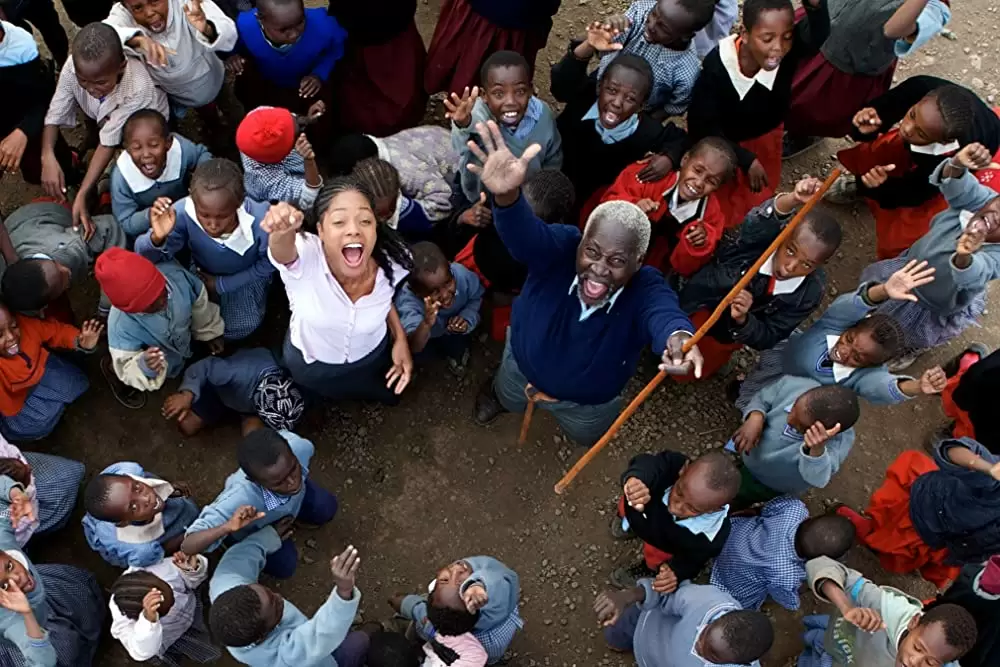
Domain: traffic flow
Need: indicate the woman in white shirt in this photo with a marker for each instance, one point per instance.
(345, 340)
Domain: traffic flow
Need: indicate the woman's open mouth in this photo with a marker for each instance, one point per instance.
(353, 254)
(592, 289)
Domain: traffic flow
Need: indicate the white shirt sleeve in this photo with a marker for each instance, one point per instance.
(195, 578)
(140, 638)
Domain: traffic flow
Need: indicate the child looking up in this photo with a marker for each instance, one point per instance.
(523, 118)
(135, 519)
(693, 626)
(179, 40)
(272, 483)
(36, 386)
(248, 383)
(439, 305)
(108, 88)
(796, 434)
(260, 628)
(154, 163)
(766, 553)
(786, 289)
(155, 611)
(481, 587)
(744, 92)
(687, 217)
(221, 228)
(605, 130)
(151, 326)
(679, 509)
(278, 161)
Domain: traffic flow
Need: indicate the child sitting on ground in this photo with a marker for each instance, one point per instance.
(744, 92)
(156, 614)
(285, 55)
(679, 509)
(179, 40)
(154, 163)
(881, 626)
(439, 306)
(686, 215)
(221, 228)
(272, 483)
(157, 309)
(796, 434)
(278, 161)
(249, 383)
(766, 553)
(524, 119)
(260, 628)
(783, 293)
(35, 385)
(481, 587)
(108, 88)
(135, 519)
(693, 626)
(604, 129)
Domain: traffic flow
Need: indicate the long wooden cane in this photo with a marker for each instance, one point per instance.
(698, 335)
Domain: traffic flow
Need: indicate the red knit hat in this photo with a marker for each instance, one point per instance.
(989, 581)
(267, 134)
(131, 281)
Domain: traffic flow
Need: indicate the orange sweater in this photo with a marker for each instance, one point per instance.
(18, 374)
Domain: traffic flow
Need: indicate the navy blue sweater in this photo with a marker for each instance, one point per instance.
(318, 49)
(585, 362)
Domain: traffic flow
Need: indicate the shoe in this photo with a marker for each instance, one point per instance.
(458, 367)
(618, 531)
(624, 578)
(900, 364)
(488, 406)
(131, 398)
(862, 524)
(953, 366)
(792, 146)
(844, 190)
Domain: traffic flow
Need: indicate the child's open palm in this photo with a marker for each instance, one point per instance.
(475, 598)
(162, 220)
(90, 333)
(459, 109)
(602, 37)
(501, 173)
(902, 283)
(14, 599)
(196, 16)
(344, 569)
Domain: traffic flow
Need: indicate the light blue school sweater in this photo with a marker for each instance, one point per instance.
(780, 460)
(133, 194)
(232, 271)
(544, 132)
(468, 300)
(240, 490)
(297, 640)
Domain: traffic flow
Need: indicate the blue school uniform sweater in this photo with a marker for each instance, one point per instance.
(318, 49)
(586, 362)
(468, 300)
(234, 378)
(231, 270)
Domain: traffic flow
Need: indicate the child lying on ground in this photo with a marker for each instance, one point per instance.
(766, 553)
(135, 519)
(154, 163)
(686, 215)
(392, 207)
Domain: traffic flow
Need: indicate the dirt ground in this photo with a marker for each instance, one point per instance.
(420, 484)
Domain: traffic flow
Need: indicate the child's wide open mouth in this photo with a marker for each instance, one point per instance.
(510, 117)
(353, 254)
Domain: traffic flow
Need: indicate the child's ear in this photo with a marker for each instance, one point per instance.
(170, 140)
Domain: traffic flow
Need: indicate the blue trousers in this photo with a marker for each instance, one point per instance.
(620, 635)
(318, 507)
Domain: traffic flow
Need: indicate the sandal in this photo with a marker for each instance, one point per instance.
(131, 398)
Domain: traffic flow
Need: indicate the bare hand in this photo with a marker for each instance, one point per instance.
(865, 619)
(234, 64)
(196, 16)
(162, 220)
(284, 527)
(282, 219)
(479, 215)
(90, 333)
(501, 173)
(867, 121)
(665, 580)
(184, 562)
(402, 367)
(13, 599)
(216, 346)
(648, 205)
(806, 188)
(933, 381)
(458, 325)
(11, 150)
(617, 24)
(757, 176)
(81, 217)
(636, 494)
(155, 360)
(155, 53)
(344, 569)
(675, 361)
(696, 235)
(475, 598)
(739, 309)
(602, 38)
(748, 434)
(902, 283)
(975, 156)
(995, 471)
(304, 148)
(609, 607)
(309, 86)
(243, 517)
(316, 109)
(817, 435)
(971, 240)
(20, 507)
(459, 109)
(657, 167)
(53, 180)
(431, 309)
(177, 406)
(151, 605)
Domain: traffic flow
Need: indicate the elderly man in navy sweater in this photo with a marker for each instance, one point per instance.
(587, 308)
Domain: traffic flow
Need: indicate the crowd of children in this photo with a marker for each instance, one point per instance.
(582, 237)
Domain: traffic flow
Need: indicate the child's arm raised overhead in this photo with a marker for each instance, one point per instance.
(212, 27)
(954, 178)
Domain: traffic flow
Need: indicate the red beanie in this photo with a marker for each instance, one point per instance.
(989, 581)
(131, 281)
(266, 134)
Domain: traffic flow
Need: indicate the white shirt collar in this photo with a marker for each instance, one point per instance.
(585, 310)
(840, 371)
(380, 146)
(936, 148)
(139, 182)
(153, 530)
(241, 239)
(780, 286)
(683, 211)
(731, 61)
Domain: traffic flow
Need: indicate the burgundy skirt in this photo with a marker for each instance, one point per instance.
(463, 40)
(379, 88)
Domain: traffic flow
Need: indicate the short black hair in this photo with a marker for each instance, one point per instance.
(833, 404)
(391, 649)
(130, 589)
(260, 449)
(96, 495)
(551, 195)
(96, 42)
(752, 9)
(24, 287)
(720, 146)
(348, 151)
(427, 258)
(887, 334)
(381, 178)
(748, 635)
(957, 106)
(451, 622)
(701, 11)
(829, 535)
(235, 617)
(218, 174)
(959, 626)
(635, 63)
(825, 228)
(723, 475)
(151, 115)
(265, 4)
(500, 59)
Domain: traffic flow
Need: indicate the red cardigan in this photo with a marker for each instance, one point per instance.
(18, 374)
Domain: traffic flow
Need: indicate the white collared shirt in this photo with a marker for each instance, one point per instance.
(840, 371)
(139, 182)
(683, 211)
(148, 532)
(240, 240)
(937, 148)
(742, 83)
(780, 286)
(585, 310)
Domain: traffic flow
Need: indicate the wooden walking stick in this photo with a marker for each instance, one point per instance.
(698, 335)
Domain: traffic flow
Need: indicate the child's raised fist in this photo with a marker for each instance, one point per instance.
(806, 188)
(304, 148)
(867, 121)
(637, 494)
(974, 156)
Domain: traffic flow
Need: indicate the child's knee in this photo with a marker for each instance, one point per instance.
(191, 425)
(283, 562)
